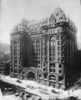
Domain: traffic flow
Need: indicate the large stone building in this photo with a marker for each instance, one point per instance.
(21, 50)
(49, 48)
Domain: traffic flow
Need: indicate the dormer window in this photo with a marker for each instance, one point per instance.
(57, 14)
(61, 18)
(52, 41)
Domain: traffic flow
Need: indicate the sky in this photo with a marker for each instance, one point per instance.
(13, 11)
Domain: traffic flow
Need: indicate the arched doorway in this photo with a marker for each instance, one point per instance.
(31, 76)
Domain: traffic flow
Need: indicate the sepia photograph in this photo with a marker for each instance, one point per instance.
(40, 49)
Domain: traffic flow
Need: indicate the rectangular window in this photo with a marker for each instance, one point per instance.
(50, 70)
(53, 70)
(58, 42)
(60, 66)
(59, 48)
(58, 53)
(54, 59)
(60, 78)
(60, 71)
(39, 75)
(58, 37)
(59, 59)
(50, 59)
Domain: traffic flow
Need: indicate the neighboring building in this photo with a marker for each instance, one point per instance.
(1, 63)
(2, 67)
(4, 60)
(7, 67)
(53, 52)
(79, 62)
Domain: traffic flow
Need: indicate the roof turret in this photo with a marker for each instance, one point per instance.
(22, 26)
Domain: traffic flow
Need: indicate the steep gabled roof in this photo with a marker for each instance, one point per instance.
(56, 16)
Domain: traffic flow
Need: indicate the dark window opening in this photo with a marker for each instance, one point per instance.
(15, 71)
(60, 66)
(60, 71)
(39, 75)
(44, 69)
(20, 70)
(45, 75)
(50, 70)
(60, 78)
(11, 69)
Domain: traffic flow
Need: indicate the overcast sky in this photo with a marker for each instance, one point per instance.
(12, 11)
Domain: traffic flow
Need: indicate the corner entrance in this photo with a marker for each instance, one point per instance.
(31, 76)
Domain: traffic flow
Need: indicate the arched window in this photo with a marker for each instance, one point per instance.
(15, 70)
(52, 41)
(37, 41)
(33, 42)
(31, 76)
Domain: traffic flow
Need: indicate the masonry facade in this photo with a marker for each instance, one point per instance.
(52, 52)
(21, 51)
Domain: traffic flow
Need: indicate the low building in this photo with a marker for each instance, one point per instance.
(2, 67)
(7, 67)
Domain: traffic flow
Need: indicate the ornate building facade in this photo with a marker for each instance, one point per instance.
(21, 50)
(52, 50)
